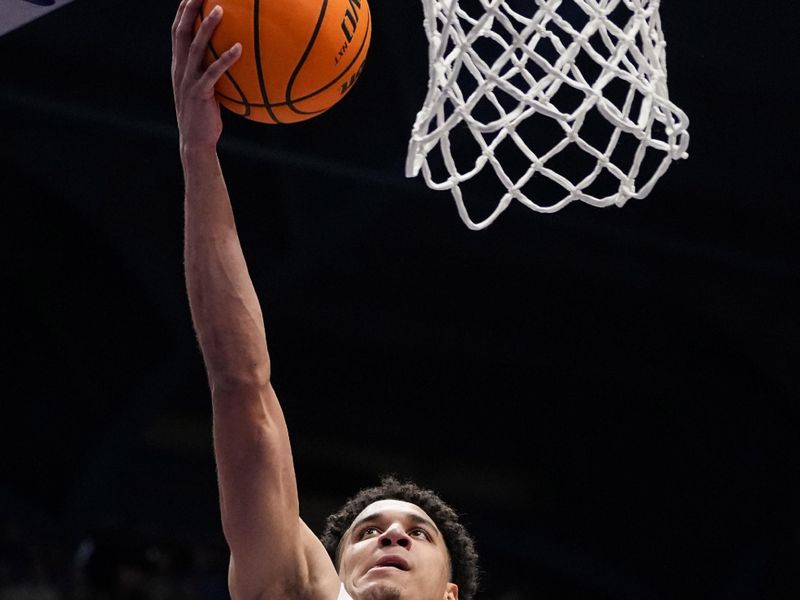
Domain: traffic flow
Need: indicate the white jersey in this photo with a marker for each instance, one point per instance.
(343, 595)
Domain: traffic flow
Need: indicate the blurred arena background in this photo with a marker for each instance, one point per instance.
(608, 396)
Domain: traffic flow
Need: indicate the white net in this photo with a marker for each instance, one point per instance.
(557, 100)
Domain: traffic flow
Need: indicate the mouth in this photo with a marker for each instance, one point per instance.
(392, 562)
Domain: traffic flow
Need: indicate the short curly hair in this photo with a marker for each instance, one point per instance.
(460, 545)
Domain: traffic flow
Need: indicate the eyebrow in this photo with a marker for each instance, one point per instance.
(413, 517)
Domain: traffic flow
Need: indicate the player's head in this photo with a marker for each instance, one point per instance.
(433, 551)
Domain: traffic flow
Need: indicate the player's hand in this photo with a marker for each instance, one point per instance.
(199, 120)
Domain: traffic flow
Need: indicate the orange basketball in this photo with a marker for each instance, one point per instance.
(299, 57)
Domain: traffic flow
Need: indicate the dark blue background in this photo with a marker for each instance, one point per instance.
(608, 395)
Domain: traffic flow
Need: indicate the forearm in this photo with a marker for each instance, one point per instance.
(225, 309)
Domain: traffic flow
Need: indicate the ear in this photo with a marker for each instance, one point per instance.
(451, 592)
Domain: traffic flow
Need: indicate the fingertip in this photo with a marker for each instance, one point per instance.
(235, 50)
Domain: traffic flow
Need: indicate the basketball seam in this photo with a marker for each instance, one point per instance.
(273, 105)
(257, 47)
(306, 52)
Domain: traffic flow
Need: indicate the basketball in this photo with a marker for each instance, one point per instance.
(299, 57)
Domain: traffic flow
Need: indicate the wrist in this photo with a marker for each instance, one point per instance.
(200, 163)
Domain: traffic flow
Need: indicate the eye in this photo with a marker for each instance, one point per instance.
(419, 533)
(368, 531)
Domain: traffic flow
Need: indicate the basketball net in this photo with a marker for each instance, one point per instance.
(495, 71)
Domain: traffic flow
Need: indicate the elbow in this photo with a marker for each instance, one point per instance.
(245, 377)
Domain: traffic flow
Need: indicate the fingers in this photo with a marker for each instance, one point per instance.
(178, 15)
(219, 66)
(200, 43)
(183, 24)
(189, 48)
(182, 30)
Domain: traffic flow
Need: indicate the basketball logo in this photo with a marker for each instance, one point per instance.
(299, 57)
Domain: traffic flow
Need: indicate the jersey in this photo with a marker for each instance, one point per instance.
(343, 595)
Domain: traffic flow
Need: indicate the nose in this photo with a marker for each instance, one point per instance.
(395, 535)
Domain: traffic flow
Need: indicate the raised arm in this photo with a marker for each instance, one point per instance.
(273, 553)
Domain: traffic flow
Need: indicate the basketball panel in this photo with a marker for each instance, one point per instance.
(342, 42)
(331, 94)
(286, 32)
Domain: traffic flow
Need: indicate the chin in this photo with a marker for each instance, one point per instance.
(382, 591)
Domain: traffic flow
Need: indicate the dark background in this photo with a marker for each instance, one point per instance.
(608, 396)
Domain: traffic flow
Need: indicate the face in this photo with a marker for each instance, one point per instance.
(394, 551)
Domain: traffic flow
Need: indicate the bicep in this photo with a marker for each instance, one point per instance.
(321, 581)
